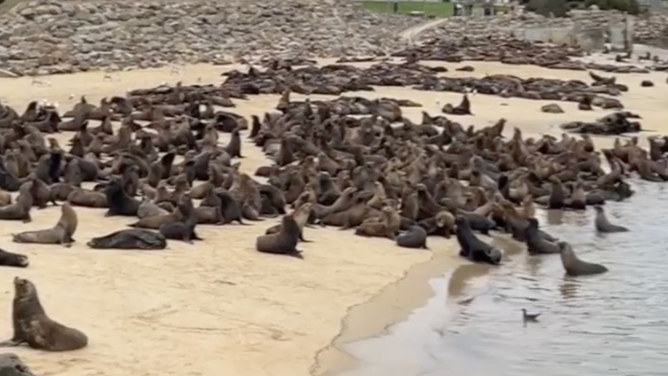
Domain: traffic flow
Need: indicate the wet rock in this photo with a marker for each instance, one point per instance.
(552, 108)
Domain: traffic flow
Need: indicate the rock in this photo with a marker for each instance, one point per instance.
(646, 83)
(552, 108)
(12, 365)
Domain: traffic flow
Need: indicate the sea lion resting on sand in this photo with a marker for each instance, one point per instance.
(576, 267)
(34, 327)
(603, 225)
(415, 237)
(13, 259)
(284, 243)
(130, 239)
(20, 210)
(473, 248)
(300, 216)
(60, 234)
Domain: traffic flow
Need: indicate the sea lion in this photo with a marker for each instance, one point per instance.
(20, 210)
(148, 209)
(182, 230)
(536, 243)
(87, 198)
(60, 234)
(442, 224)
(415, 237)
(603, 225)
(5, 198)
(385, 225)
(300, 216)
(575, 267)
(13, 259)
(33, 327)
(118, 201)
(473, 248)
(209, 215)
(130, 239)
(284, 243)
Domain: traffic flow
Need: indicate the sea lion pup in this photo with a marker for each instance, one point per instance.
(130, 239)
(20, 210)
(13, 259)
(60, 234)
(87, 198)
(118, 201)
(183, 230)
(385, 225)
(603, 225)
(575, 267)
(283, 243)
(415, 237)
(148, 208)
(33, 327)
(473, 248)
(442, 224)
(536, 243)
(300, 216)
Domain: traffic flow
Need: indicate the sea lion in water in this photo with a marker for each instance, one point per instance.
(13, 259)
(34, 327)
(60, 234)
(283, 243)
(603, 225)
(415, 237)
(576, 267)
(473, 248)
(130, 239)
(536, 243)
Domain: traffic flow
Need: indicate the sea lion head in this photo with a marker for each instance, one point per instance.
(598, 208)
(23, 287)
(533, 222)
(461, 221)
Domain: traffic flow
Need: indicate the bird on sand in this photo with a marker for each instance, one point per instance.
(529, 316)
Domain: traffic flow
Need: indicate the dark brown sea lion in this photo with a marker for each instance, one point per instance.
(87, 198)
(118, 201)
(536, 243)
(415, 237)
(283, 243)
(602, 223)
(41, 194)
(130, 239)
(576, 267)
(557, 196)
(13, 259)
(473, 248)
(185, 229)
(20, 210)
(33, 327)
(60, 234)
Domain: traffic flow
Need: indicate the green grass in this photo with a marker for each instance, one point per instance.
(7, 5)
(406, 7)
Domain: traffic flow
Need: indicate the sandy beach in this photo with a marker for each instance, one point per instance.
(219, 307)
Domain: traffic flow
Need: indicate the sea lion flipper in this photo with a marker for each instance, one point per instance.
(11, 342)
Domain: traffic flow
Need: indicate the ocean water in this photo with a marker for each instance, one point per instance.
(612, 324)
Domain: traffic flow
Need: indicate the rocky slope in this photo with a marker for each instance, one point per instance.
(53, 36)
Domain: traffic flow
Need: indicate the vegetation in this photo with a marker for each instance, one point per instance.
(429, 8)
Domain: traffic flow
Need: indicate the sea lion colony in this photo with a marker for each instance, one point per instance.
(331, 168)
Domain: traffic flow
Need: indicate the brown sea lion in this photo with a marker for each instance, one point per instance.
(386, 225)
(283, 243)
(60, 234)
(5, 198)
(13, 259)
(300, 216)
(415, 237)
(575, 267)
(353, 216)
(20, 210)
(602, 223)
(156, 221)
(87, 198)
(442, 224)
(150, 209)
(184, 229)
(60, 191)
(209, 215)
(33, 327)
(118, 201)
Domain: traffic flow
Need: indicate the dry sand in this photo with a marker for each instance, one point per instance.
(220, 308)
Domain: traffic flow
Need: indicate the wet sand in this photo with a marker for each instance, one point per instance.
(219, 307)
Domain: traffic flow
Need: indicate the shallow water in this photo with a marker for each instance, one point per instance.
(611, 324)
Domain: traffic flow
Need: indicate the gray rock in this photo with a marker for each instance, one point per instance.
(12, 365)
